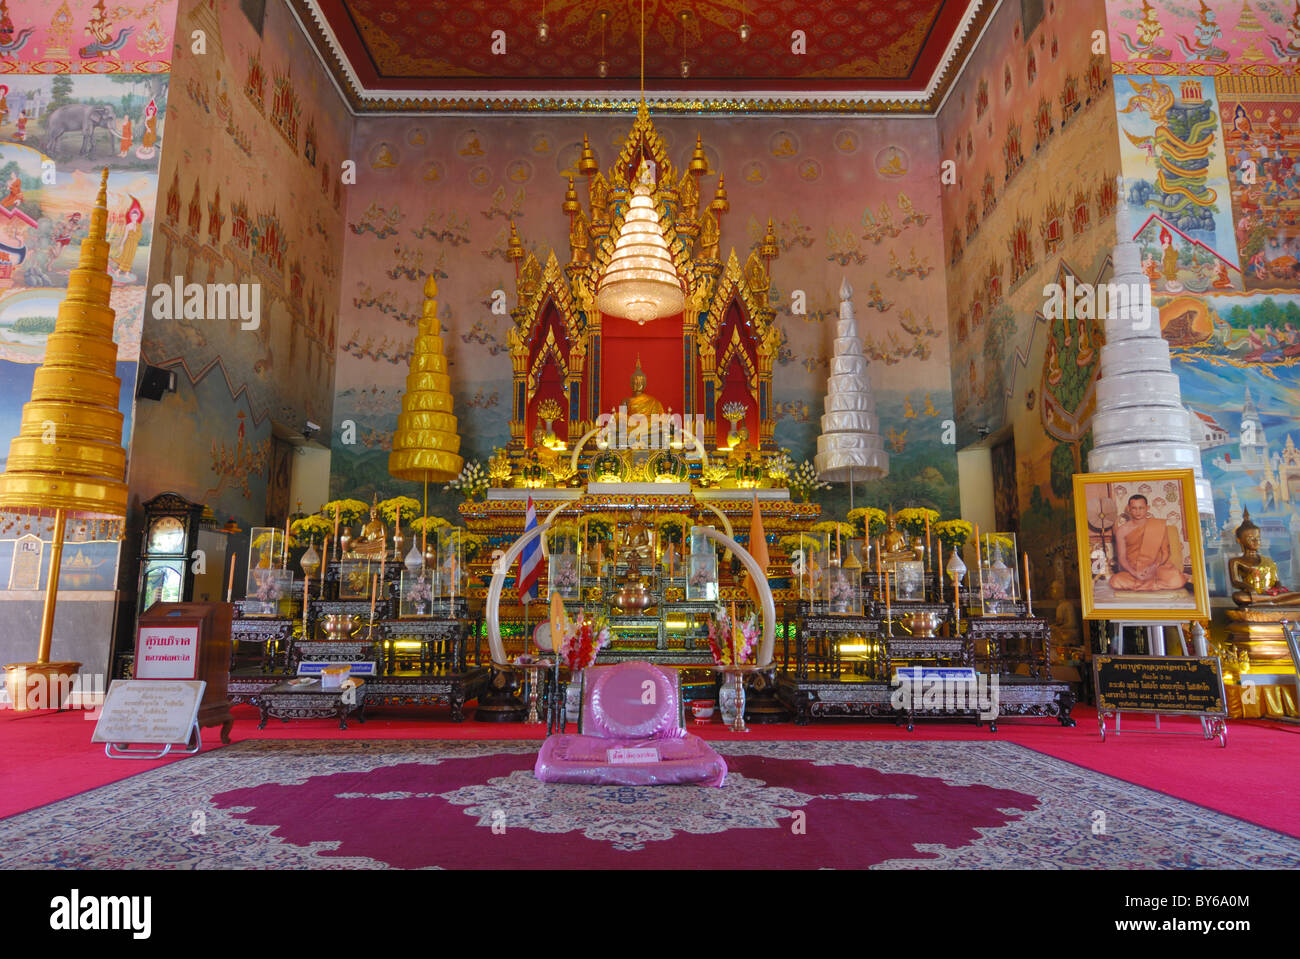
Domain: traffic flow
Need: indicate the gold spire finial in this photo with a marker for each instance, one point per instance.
(99, 216)
(699, 162)
(514, 249)
(720, 204)
(571, 204)
(587, 164)
(431, 286)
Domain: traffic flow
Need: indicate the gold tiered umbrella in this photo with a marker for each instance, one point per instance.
(426, 445)
(68, 453)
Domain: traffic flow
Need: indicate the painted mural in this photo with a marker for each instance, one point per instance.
(252, 196)
(1032, 133)
(850, 199)
(82, 87)
(1216, 186)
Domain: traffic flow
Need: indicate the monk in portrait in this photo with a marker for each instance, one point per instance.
(1142, 552)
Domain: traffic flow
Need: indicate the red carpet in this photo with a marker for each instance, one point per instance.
(48, 756)
(463, 804)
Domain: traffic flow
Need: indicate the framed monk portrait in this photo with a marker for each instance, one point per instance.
(1139, 539)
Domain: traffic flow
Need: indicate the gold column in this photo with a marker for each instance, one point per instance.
(426, 443)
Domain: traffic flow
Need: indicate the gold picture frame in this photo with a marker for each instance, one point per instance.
(1129, 573)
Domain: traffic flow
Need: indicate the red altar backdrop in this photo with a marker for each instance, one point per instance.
(737, 371)
(551, 363)
(659, 344)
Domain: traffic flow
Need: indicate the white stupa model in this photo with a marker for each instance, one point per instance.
(849, 448)
(1140, 422)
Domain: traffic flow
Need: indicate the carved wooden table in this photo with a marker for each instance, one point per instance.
(1012, 641)
(272, 634)
(308, 701)
(324, 650)
(442, 643)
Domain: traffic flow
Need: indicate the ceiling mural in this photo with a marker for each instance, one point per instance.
(887, 55)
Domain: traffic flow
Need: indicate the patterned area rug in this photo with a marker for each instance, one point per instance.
(464, 805)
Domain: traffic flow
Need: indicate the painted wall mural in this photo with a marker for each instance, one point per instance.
(1031, 129)
(1217, 88)
(849, 198)
(81, 87)
(251, 196)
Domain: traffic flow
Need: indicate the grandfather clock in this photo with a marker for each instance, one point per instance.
(171, 531)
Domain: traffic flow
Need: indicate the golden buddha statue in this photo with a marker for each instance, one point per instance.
(895, 546)
(373, 538)
(1254, 576)
(636, 538)
(738, 446)
(640, 401)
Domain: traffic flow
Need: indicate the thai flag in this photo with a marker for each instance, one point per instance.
(530, 560)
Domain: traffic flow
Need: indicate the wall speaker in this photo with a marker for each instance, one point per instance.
(154, 382)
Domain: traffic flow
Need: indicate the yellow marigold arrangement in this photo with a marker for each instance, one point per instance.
(345, 510)
(428, 524)
(830, 527)
(673, 527)
(867, 521)
(801, 541)
(405, 507)
(314, 528)
(912, 520)
(953, 533)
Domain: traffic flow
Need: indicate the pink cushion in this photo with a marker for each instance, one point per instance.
(630, 701)
(584, 760)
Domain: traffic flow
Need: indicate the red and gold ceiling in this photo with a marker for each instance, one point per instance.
(861, 56)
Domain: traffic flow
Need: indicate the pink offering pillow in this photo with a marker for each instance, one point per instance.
(632, 701)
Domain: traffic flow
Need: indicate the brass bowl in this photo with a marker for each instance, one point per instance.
(340, 626)
(634, 598)
(921, 624)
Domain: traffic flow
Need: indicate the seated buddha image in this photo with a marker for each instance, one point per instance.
(1254, 576)
(373, 538)
(640, 401)
(635, 540)
(738, 445)
(894, 545)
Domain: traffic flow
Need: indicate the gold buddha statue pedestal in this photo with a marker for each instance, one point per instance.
(1258, 632)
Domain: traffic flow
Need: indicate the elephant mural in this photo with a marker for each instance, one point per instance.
(80, 116)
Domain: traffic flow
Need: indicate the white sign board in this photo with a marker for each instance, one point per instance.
(149, 711)
(167, 652)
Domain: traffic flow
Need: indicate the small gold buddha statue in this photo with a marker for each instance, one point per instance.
(894, 545)
(636, 539)
(1254, 576)
(373, 538)
(546, 455)
(640, 401)
(738, 446)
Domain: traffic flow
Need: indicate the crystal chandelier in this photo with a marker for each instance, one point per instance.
(640, 283)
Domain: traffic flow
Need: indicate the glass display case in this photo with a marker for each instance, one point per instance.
(909, 582)
(416, 597)
(564, 565)
(266, 551)
(843, 586)
(271, 592)
(702, 568)
(999, 584)
(450, 573)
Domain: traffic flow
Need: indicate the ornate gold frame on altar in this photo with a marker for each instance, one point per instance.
(1101, 515)
(568, 356)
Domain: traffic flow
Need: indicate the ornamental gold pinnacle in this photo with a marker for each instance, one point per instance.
(426, 444)
(68, 452)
